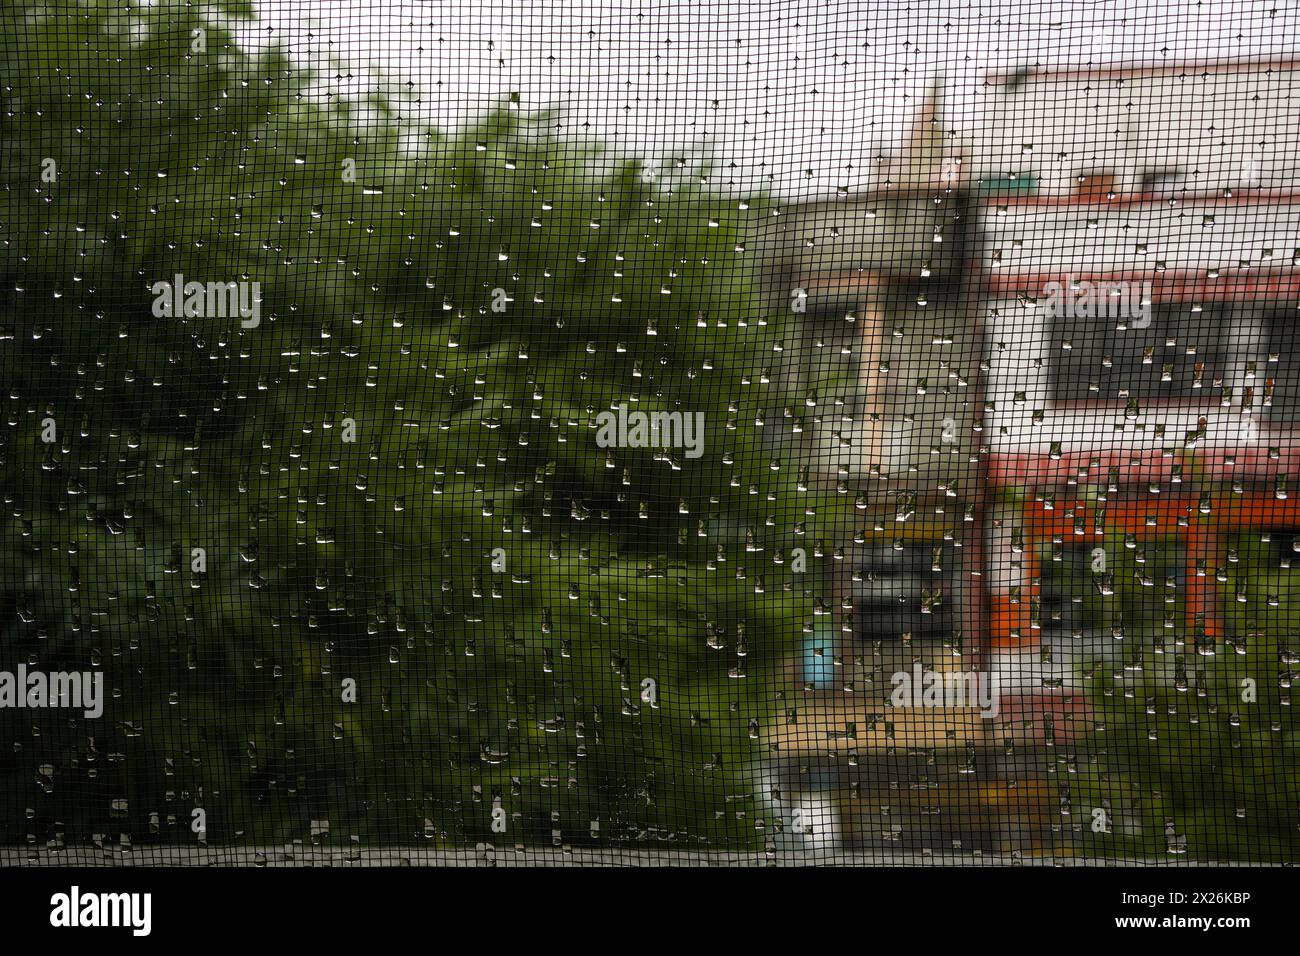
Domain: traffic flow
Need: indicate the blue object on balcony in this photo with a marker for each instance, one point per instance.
(819, 657)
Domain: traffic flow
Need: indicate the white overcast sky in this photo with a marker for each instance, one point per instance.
(800, 95)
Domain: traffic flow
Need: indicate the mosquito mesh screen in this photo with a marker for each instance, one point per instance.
(810, 432)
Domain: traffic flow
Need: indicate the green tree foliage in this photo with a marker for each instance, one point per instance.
(1194, 753)
(234, 524)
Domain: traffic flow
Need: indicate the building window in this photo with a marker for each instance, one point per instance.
(1278, 371)
(1178, 352)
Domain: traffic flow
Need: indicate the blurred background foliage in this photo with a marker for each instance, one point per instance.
(324, 560)
(1193, 753)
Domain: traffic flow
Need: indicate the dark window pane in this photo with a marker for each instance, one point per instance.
(1179, 355)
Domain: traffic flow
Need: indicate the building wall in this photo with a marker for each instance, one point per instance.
(887, 329)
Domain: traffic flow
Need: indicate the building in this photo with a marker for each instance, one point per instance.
(1047, 351)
